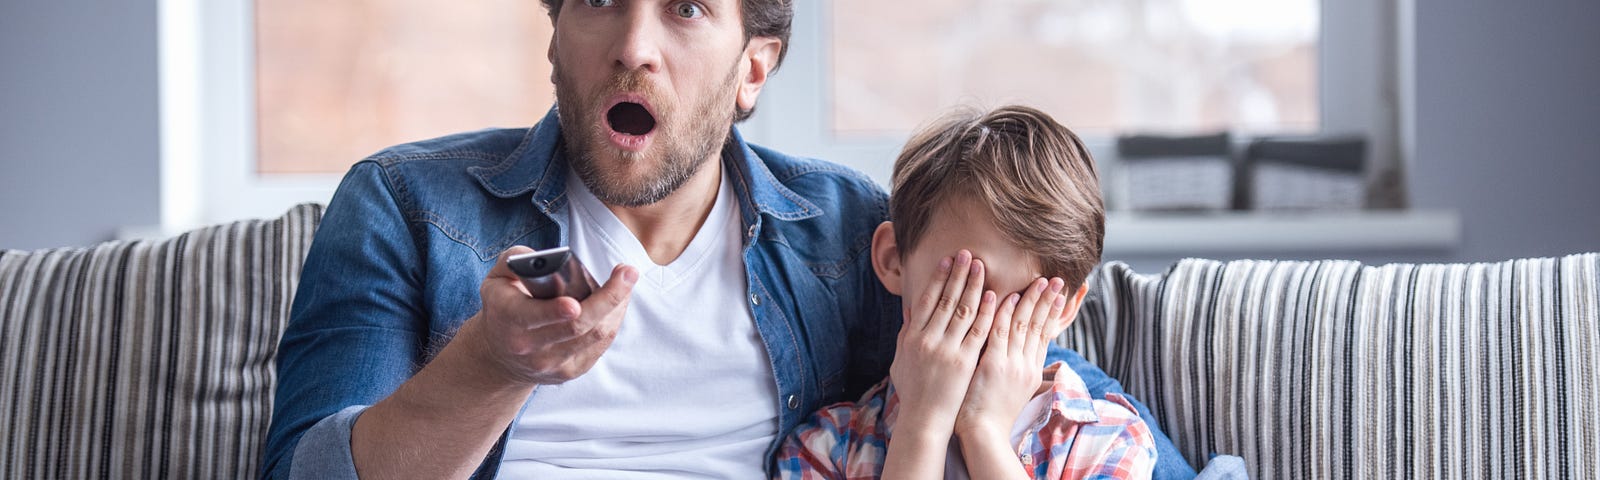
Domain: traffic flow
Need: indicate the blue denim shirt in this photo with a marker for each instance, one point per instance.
(408, 237)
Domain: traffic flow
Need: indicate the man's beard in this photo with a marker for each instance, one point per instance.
(681, 151)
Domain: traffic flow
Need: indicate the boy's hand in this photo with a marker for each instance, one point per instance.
(1012, 365)
(938, 346)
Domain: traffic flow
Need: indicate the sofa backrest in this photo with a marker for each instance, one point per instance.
(146, 359)
(153, 359)
(1332, 369)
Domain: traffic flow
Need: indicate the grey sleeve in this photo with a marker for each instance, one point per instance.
(324, 450)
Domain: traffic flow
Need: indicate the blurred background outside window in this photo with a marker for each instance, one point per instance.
(1098, 66)
(337, 81)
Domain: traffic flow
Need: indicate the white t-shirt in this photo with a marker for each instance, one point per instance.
(686, 389)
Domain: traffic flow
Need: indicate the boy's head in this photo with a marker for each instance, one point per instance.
(1011, 185)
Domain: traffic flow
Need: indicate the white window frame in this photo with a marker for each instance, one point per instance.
(208, 121)
(208, 104)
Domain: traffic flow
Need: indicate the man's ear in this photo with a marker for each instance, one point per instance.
(760, 55)
(1070, 314)
(886, 257)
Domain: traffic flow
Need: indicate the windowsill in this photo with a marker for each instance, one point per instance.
(1262, 232)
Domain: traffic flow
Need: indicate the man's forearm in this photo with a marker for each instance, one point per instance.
(442, 422)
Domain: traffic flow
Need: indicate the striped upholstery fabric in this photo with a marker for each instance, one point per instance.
(1331, 369)
(146, 359)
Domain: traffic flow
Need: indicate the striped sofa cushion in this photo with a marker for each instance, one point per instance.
(146, 359)
(1331, 369)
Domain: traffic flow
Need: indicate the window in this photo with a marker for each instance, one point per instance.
(1097, 65)
(861, 76)
(265, 104)
(269, 101)
(337, 81)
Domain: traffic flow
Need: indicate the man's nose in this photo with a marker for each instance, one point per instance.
(639, 47)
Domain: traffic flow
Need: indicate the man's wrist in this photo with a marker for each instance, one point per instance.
(453, 400)
(465, 364)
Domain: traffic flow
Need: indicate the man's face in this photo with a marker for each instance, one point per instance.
(646, 91)
(962, 223)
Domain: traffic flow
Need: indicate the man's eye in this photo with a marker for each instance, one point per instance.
(599, 3)
(687, 10)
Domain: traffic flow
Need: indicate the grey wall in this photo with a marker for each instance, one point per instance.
(1508, 127)
(1507, 132)
(79, 138)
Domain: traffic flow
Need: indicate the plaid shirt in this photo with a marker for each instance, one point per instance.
(1077, 437)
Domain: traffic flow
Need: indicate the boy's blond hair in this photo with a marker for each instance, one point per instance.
(1033, 174)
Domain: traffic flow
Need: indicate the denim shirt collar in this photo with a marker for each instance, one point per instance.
(534, 167)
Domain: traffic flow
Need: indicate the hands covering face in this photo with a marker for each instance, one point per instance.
(968, 360)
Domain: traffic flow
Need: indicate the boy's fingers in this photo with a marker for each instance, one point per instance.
(980, 328)
(967, 310)
(923, 309)
(1020, 321)
(1041, 316)
(1000, 334)
(1057, 318)
(1057, 308)
(945, 306)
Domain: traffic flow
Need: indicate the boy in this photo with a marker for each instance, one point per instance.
(1013, 195)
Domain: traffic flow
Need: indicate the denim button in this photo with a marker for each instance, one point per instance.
(794, 402)
(755, 299)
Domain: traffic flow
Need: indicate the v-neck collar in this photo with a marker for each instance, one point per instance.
(610, 230)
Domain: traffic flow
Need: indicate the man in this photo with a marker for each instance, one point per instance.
(742, 298)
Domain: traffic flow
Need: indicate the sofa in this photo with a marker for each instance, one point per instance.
(154, 359)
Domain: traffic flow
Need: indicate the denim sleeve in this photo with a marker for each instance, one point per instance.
(324, 451)
(878, 320)
(1169, 463)
(355, 331)
(1224, 467)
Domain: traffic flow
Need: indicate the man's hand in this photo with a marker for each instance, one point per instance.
(1012, 365)
(442, 421)
(544, 342)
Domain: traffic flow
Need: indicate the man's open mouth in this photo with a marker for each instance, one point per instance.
(630, 118)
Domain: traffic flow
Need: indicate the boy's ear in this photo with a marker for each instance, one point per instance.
(1070, 314)
(886, 257)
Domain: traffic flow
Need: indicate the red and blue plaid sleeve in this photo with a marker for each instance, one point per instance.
(812, 451)
(1078, 437)
(841, 441)
(1118, 446)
